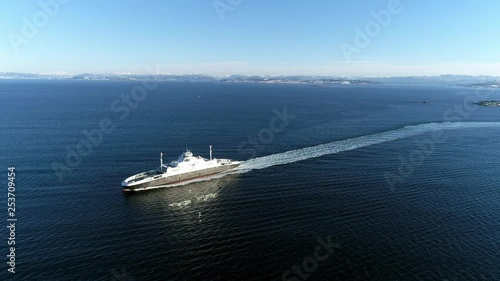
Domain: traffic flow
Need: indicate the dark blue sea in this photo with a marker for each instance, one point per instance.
(354, 182)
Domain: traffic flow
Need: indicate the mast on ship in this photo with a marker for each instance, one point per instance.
(161, 160)
(210, 153)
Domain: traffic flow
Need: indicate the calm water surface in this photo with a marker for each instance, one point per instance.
(441, 219)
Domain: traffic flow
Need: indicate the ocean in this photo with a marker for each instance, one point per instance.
(350, 182)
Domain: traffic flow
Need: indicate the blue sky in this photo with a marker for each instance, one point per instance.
(252, 37)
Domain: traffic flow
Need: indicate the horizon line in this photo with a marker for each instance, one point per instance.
(241, 74)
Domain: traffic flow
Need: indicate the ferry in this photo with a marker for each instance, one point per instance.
(186, 167)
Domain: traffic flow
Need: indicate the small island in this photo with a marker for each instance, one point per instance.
(489, 84)
(488, 103)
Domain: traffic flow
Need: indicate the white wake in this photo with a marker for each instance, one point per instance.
(353, 143)
(339, 146)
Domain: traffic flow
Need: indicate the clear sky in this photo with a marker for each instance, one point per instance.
(422, 37)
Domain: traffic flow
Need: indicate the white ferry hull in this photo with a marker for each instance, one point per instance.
(129, 185)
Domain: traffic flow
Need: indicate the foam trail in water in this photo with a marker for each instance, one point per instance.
(353, 143)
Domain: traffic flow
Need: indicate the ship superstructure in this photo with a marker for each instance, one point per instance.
(186, 167)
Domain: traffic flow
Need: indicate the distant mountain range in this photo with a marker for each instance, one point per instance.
(451, 80)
